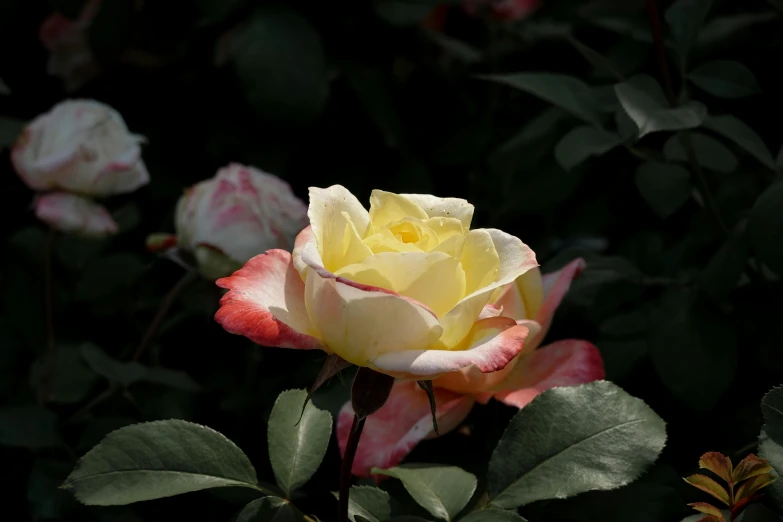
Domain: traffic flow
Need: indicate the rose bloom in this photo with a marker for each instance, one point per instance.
(226, 220)
(401, 289)
(406, 418)
(81, 147)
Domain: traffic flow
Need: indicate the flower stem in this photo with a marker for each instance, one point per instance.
(51, 345)
(345, 472)
(163, 309)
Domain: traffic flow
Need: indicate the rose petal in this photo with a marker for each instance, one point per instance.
(523, 298)
(555, 286)
(265, 303)
(490, 345)
(387, 207)
(74, 214)
(564, 363)
(405, 420)
(330, 211)
(443, 207)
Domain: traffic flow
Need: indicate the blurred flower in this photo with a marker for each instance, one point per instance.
(80, 146)
(74, 215)
(406, 419)
(399, 289)
(226, 220)
(511, 10)
(70, 57)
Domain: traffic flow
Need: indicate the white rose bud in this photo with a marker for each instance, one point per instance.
(80, 146)
(74, 214)
(238, 214)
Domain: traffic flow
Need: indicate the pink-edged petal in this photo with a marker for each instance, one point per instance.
(556, 286)
(265, 303)
(405, 420)
(489, 346)
(74, 215)
(564, 363)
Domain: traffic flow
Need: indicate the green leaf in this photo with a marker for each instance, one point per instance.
(724, 79)
(28, 427)
(663, 186)
(621, 357)
(280, 62)
(492, 515)
(710, 153)
(625, 324)
(599, 61)
(566, 92)
(158, 459)
(46, 500)
(709, 486)
(772, 408)
(296, 446)
(10, 129)
(722, 27)
(724, 270)
(72, 380)
(765, 227)
(650, 115)
(404, 13)
(102, 276)
(685, 19)
(693, 347)
(441, 490)
(371, 503)
(746, 138)
(456, 48)
(574, 439)
(176, 379)
(582, 142)
(269, 509)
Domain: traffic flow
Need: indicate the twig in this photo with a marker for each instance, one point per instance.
(51, 344)
(345, 473)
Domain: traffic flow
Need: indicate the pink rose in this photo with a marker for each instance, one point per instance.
(240, 213)
(406, 419)
(74, 214)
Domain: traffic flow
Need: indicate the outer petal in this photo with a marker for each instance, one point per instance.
(331, 211)
(491, 344)
(556, 286)
(74, 214)
(265, 303)
(394, 430)
(564, 363)
(523, 298)
(443, 207)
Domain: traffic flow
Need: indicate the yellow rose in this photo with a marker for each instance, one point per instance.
(401, 289)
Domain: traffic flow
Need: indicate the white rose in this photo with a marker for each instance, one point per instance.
(80, 146)
(238, 214)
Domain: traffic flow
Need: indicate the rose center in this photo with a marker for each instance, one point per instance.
(406, 232)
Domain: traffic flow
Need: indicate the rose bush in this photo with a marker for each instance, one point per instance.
(401, 289)
(226, 220)
(406, 419)
(81, 147)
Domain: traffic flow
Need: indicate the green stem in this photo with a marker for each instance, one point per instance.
(345, 472)
(51, 344)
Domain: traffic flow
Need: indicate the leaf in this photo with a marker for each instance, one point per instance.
(46, 500)
(457, 48)
(296, 449)
(158, 459)
(176, 379)
(765, 227)
(279, 59)
(724, 270)
(582, 142)
(564, 91)
(544, 123)
(441, 490)
(371, 503)
(685, 19)
(102, 276)
(651, 116)
(574, 439)
(709, 509)
(269, 509)
(693, 348)
(599, 61)
(10, 129)
(28, 427)
(404, 13)
(718, 463)
(710, 153)
(72, 380)
(725, 79)
(750, 466)
(746, 138)
(626, 324)
(492, 515)
(664, 187)
(722, 27)
(622, 357)
(752, 485)
(709, 486)
(772, 408)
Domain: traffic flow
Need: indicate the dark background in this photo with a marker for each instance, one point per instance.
(361, 94)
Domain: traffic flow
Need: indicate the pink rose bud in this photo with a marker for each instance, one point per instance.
(74, 214)
(238, 214)
(80, 146)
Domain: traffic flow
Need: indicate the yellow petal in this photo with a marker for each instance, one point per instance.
(531, 289)
(443, 207)
(480, 260)
(384, 241)
(358, 324)
(445, 227)
(434, 279)
(386, 208)
(336, 218)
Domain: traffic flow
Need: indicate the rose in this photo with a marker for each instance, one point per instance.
(239, 213)
(80, 146)
(74, 215)
(400, 289)
(406, 418)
